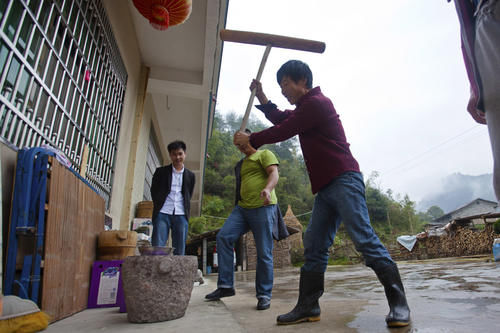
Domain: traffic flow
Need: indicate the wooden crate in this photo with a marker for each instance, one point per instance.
(75, 216)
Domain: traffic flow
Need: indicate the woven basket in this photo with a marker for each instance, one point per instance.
(116, 244)
(144, 209)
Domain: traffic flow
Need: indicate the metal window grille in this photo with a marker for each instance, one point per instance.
(153, 161)
(62, 82)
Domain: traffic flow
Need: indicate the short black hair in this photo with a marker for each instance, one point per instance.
(295, 70)
(177, 144)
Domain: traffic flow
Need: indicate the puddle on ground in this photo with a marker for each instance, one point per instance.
(444, 296)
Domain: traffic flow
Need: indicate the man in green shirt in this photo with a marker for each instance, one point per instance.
(256, 210)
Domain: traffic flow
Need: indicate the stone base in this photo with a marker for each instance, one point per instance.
(158, 288)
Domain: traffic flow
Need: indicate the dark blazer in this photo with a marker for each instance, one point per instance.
(161, 184)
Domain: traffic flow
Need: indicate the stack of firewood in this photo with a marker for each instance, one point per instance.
(460, 241)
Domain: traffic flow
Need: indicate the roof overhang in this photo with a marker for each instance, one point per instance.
(184, 63)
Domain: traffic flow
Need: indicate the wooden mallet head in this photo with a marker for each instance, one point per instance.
(268, 41)
(284, 42)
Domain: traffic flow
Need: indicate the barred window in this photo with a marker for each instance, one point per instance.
(62, 82)
(153, 161)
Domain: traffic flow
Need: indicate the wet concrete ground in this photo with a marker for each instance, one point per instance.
(446, 295)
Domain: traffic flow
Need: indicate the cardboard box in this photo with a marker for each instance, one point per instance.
(143, 225)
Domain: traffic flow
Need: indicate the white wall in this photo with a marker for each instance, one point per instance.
(188, 89)
(182, 119)
(142, 152)
(123, 30)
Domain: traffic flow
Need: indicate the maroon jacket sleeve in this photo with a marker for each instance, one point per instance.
(272, 113)
(289, 123)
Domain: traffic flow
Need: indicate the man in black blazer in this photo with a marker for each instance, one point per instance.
(171, 189)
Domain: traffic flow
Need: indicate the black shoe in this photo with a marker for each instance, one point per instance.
(311, 288)
(219, 293)
(263, 303)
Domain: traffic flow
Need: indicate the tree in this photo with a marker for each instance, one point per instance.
(293, 187)
(434, 212)
(377, 205)
(390, 214)
(376, 201)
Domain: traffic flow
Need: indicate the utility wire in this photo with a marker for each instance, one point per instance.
(423, 161)
(285, 218)
(428, 151)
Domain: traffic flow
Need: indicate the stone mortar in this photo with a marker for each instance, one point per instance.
(158, 288)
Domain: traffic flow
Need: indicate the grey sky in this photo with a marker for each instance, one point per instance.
(394, 72)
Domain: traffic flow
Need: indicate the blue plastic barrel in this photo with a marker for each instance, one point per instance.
(496, 249)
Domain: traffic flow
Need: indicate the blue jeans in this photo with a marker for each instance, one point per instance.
(342, 200)
(162, 225)
(260, 221)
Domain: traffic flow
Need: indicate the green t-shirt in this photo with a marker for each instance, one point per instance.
(254, 178)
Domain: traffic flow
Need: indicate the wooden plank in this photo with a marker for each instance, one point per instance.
(75, 216)
(51, 282)
(85, 158)
(70, 230)
(81, 283)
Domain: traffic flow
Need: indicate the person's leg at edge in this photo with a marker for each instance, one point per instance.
(487, 52)
(351, 205)
(161, 227)
(180, 228)
(261, 221)
(493, 119)
(318, 239)
(233, 228)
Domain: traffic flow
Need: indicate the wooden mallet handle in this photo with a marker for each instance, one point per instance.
(269, 41)
(252, 95)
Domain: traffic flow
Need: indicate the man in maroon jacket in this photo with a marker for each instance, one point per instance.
(339, 188)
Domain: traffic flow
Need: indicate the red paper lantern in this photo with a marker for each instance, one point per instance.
(164, 13)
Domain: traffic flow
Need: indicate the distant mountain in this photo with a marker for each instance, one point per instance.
(457, 190)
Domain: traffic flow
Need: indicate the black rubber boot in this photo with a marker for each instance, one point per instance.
(399, 312)
(307, 309)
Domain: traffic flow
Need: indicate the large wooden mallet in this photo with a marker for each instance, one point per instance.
(268, 41)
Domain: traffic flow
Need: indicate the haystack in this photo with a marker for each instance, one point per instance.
(291, 221)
